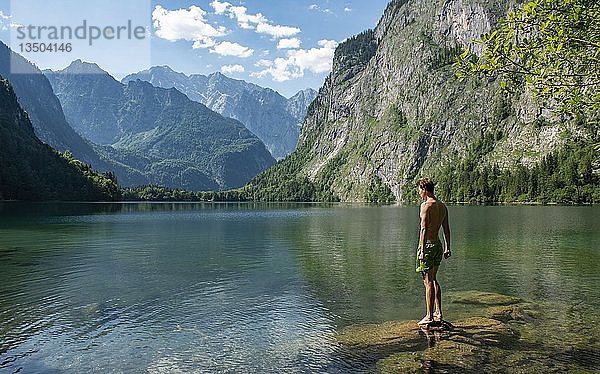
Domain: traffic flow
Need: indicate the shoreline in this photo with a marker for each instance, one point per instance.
(347, 203)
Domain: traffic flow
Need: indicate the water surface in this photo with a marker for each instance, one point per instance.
(261, 288)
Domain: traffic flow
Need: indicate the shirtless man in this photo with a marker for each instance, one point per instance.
(434, 215)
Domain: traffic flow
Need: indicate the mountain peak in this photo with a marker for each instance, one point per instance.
(155, 75)
(307, 93)
(81, 67)
(265, 112)
(217, 75)
(163, 69)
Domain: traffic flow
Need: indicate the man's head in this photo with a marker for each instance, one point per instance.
(426, 186)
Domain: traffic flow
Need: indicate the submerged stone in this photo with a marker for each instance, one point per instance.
(387, 333)
(498, 333)
(453, 356)
(518, 312)
(482, 298)
(403, 347)
(482, 331)
(403, 362)
(498, 330)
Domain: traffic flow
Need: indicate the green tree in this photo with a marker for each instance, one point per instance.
(550, 46)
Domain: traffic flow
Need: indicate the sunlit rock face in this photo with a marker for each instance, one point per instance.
(393, 109)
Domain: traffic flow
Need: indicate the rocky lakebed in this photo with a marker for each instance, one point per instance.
(489, 332)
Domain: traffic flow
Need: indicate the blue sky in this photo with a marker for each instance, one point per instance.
(286, 45)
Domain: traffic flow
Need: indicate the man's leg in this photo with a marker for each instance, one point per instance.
(437, 315)
(429, 282)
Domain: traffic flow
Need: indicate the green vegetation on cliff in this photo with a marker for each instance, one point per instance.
(353, 54)
(105, 184)
(565, 176)
(551, 48)
(32, 170)
(282, 182)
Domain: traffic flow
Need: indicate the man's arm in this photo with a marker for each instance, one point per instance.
(424, 214)
(446, 228)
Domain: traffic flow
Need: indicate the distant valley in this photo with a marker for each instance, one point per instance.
(157, 134)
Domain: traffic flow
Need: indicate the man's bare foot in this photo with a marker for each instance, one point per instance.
(425, 321)
(437, 316)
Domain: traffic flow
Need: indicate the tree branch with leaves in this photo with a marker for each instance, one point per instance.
(549, 46)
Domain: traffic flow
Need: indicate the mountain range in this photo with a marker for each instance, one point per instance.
(273, 118)
(143, 134)
(158, 135)
(391, 110)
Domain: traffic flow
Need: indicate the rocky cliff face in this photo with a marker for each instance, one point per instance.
(45, 112)
(392, 108)
(273, 118)
(90, 99)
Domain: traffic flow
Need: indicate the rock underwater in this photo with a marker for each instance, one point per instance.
(494, 334)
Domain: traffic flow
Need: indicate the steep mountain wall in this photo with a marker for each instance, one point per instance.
(392, 108)
(36, 97)
(32, 170)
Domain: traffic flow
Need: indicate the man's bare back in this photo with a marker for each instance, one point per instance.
(433, 215)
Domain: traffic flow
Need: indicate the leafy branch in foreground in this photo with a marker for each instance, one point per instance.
(550, 46)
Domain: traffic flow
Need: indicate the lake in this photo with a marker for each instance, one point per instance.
(142, 287)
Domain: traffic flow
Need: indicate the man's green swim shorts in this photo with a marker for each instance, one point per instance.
(432, 254)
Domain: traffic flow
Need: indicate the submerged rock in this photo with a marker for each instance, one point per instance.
(403, 362)
(403, 347)
(483, 298)
(518, 312)
(500, 335)
(389, 332)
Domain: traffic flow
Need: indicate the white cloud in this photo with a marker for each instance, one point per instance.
(347, 9)
(263, 63)
(281, 70)
(219, 7)
(317, 8)
(277, 31)
(316, 60)
(232, 49)
(288, 43)
(256, 21)
(6, 23)
(203, 43)
(185, 24)
(232, 69)
(328, 44)
(244, 19)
